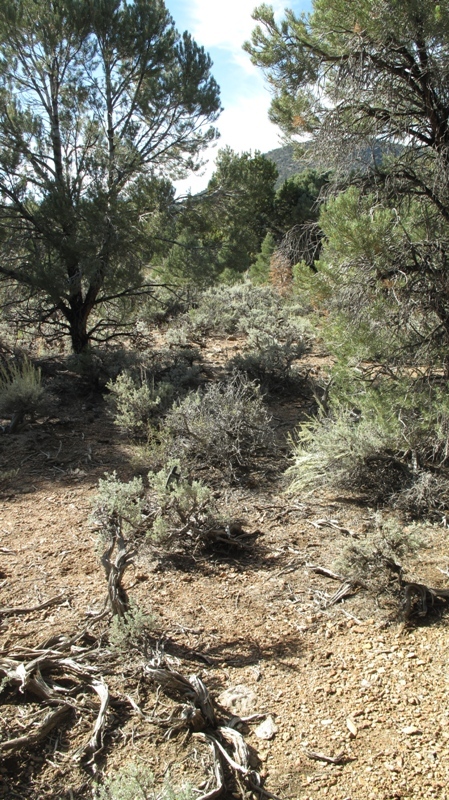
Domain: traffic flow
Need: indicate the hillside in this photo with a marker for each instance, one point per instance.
(286, 163)
(323, 684)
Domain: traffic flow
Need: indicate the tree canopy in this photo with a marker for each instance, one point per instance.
(101, 101)
(372, 77)
(219, 232)
(359, 74)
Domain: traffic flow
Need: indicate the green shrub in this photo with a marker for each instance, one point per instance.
(388, 542)
(129, 632)
(269, 354)
(180, 507)
(176, 367)
(171, 507)
(116, 499)
(136, 782)
(135, 406)
(21, 392)
(347, 451)
(228, 310)
(427, 496)
(396, 431)
(226, 425)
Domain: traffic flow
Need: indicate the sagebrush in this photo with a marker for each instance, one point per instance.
(226, 426)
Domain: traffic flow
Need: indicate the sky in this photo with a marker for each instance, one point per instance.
(222, 26)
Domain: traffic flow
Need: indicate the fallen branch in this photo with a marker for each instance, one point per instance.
(328, 759)
(30, 739)
(346, 590)
(422, 592)
(332, 523)
(227, 744)
(29, 609)
(95, 743)
(326, 572)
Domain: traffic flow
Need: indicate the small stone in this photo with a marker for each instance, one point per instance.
(267, 729)
(411, 730)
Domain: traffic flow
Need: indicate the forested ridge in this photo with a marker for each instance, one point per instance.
(224, 416)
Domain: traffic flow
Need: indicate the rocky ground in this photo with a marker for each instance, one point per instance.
(345, 700)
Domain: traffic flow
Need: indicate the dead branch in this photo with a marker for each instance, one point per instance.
(114, 570)
(28, 609)
(326, 572)
(32, 671)
(421, 592)
(95, 743)
(346, 589)
(227, 744)
(51, 720)
(328, 759)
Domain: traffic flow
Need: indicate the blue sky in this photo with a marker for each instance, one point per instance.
(222, 26)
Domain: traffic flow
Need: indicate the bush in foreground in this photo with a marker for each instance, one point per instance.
(136, 782)
(225, 426)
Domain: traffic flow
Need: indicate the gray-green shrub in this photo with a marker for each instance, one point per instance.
(21, 392)
(136, 782)
(226, 425)
(135, 403)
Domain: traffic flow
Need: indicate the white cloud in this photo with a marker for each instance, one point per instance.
(227, 24)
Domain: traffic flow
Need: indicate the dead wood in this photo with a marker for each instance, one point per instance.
(328, 759)
(347, 589)
(332, 523)
(114, 569)
(326, 572)
(231, 536)
(29, 609)
(349, 585)
(228, 746)
(424, 595)
(34, 671)
(95, 743)
(51, 720)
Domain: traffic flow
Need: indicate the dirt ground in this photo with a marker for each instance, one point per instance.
(351, 681)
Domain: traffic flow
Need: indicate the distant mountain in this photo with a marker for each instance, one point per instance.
(287, 165)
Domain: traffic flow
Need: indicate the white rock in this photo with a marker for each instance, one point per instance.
(267, 729)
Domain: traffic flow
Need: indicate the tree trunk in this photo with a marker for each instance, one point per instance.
(78, 331)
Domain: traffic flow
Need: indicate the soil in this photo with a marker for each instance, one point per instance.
(351, 680)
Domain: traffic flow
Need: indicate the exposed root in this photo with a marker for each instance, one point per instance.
(229, 749)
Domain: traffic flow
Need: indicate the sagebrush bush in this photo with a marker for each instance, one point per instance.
(136, 782)
(388, 542)
(427, 496)
(172, 510)
(233, 309)
(21, 392)
(397, 432)
(340, 450)
(176, 367)
(129, 632)
(226, 425)
(116, 499)
(269, 354)
(136, 404)
(180, 507)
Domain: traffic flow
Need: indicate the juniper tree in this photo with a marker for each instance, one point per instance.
(101, 102)
(369, 81)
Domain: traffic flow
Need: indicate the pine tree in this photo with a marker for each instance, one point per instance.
(101, 101)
